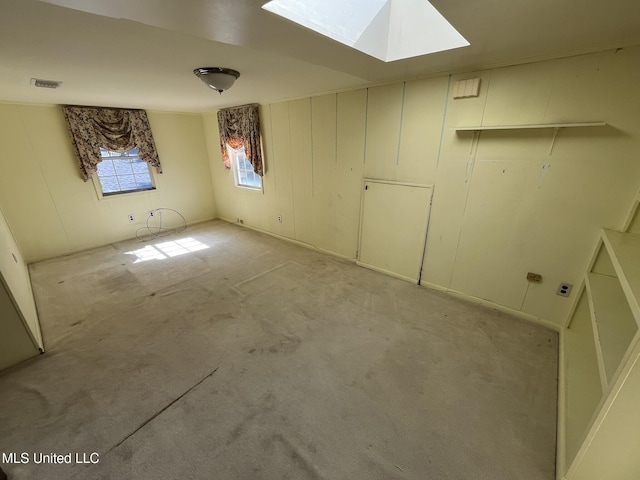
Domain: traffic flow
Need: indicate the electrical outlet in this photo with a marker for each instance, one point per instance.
(279, 217)
(131, 217)
(564, 290)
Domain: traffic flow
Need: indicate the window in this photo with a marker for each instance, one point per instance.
(243, 170)
(123, 172)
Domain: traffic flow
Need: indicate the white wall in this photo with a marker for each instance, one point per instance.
(493, 219)
(51, 210)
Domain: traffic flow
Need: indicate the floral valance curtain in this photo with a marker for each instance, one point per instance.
(240, 126)
(115, 129)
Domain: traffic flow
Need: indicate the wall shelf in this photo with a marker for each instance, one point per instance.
(530, 126)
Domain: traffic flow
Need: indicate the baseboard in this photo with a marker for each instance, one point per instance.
(501, 308)
(386, 272)
(288, 239)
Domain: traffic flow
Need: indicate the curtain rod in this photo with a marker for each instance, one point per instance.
(100, 107)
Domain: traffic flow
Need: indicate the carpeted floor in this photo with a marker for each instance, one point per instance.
(228, 354)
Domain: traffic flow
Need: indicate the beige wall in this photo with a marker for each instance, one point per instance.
(18, 343)
(495, 216)
(52, 212)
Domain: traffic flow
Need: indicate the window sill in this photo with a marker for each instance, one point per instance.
(255, 189)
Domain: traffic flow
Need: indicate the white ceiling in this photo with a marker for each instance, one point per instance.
(142, 53)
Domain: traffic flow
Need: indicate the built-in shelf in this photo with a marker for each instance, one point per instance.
(531, 126)
(599, 370)
(582, 386)
(624, 250)
(613, 322)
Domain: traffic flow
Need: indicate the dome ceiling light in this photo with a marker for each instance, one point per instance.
(218, 78)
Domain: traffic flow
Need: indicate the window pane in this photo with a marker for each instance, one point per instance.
(251, 180)
(109, 184)
(140, 167)
(257, 180)
(144, 181)
(105, 167)
(245, 164)
(123, 167)
(127, 182)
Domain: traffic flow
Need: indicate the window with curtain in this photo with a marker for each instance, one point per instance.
(115, 143)
(241, 144)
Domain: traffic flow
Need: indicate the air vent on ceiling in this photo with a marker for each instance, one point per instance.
(38, 82)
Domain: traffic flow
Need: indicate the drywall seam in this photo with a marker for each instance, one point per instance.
(444, 120)
(468, 177)
(404, 91)
(293, 186)
(272, 158)
(472, 154)
(366, 127)
(311, 147)
(337, 116)
(44, 177)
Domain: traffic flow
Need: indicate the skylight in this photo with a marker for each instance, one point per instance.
(386, 29)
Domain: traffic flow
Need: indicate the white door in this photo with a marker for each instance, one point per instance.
(393, 227)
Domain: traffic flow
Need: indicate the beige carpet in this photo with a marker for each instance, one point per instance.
(234, 355)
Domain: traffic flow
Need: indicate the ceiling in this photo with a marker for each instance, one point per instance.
(141, 54)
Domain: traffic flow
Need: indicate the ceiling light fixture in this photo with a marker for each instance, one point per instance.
(218, 78)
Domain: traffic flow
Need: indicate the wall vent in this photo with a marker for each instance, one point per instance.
(38, 82)
(466, 88)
